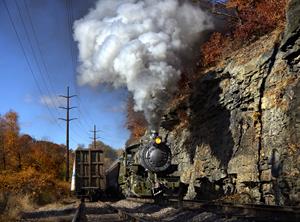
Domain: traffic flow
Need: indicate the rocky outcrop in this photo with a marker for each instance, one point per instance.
(243, 136)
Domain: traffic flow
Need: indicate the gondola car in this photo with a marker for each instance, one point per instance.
(88, 174)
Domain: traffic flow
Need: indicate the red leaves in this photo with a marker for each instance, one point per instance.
(213, 49)
(257, 18)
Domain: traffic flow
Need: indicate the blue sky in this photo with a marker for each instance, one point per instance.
(49, 47)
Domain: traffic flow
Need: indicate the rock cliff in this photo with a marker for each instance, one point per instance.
(242, 139)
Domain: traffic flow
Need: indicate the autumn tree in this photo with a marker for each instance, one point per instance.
(213, 49)
(28, 166)
(256, 18)
(136, 122)
(11, 145)
(2, 149)
(47, 157)
(25, 143)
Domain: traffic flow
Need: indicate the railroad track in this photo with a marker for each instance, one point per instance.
(83, 212)
(182, 211)
(257, 212)
(252, 212)
(101, 211)
(58, 214)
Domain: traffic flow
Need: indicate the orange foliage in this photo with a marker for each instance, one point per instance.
(2, 146)
(136, 122)
(213, 49)
(48, 158)
(10, 135)
(33, 183)
(22, 151)
(28, 166)
(257, 18)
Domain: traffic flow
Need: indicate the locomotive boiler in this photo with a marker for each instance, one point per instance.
(146, 170)
(156, 155)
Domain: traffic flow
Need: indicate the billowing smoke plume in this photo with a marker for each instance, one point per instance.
(138, 44)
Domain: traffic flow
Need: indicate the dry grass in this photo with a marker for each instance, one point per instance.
(13, 204)
(33, 183)
(26, 190)
(293, 148)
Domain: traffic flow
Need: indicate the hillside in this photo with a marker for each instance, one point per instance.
(240, 136)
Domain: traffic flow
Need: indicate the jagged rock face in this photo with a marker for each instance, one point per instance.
(243, 134)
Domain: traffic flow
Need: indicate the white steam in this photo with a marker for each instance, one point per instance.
(138, 44)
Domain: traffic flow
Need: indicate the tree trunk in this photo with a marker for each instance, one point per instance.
(4, 160)
(20, 162)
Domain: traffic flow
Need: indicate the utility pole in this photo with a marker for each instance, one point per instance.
(97, 159)
(95, 136)
(68, 108)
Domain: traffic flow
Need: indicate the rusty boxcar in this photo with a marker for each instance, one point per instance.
(89, 173)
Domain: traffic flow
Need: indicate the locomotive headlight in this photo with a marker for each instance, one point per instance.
(157, 140)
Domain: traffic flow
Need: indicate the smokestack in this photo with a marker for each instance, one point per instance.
(139, 45)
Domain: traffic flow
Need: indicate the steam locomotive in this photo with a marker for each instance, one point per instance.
(146, 170)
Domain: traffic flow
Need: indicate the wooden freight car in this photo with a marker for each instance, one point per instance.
(89, 173)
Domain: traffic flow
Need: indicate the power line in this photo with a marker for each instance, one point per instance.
(81, 112)
(55, 101)
(27, 60)
(35, 58)
(70, 18)
(33, 51)
(26, 57)
(41, 54)
(69, 28)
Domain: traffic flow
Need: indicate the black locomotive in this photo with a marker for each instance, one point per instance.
(146, 170)
(156, 155)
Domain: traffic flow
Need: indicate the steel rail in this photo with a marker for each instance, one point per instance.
(258, 211)
(80, 215)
